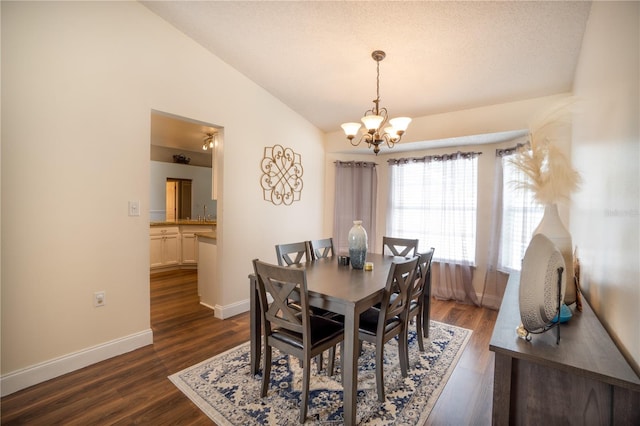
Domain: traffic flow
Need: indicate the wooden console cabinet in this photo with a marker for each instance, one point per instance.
(584, 380)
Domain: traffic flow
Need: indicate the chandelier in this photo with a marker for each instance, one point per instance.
(210, 140)
(375, 119)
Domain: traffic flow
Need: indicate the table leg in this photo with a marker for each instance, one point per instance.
(254, 325)
(350, 365)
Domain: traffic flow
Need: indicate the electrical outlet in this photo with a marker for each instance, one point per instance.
(99, 298)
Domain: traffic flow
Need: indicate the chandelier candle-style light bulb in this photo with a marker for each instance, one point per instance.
(376, 118)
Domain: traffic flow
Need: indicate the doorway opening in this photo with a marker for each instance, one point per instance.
(178, 199)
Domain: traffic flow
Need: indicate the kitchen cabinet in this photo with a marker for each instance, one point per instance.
(190, 243)
(164, 246)
(176, 246)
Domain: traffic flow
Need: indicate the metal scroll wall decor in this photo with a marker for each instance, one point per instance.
(282, 175)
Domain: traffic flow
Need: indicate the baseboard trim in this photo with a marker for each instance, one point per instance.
(228, 311)
(29, 376)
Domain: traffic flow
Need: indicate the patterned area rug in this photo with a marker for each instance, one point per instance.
(223, 388)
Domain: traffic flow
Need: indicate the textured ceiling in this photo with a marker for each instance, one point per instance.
(441, 56)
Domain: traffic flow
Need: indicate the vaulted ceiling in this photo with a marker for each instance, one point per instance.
(315, 56)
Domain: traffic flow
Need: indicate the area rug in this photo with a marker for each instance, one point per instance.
(223, 388)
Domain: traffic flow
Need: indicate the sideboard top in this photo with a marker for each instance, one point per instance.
(585, 347)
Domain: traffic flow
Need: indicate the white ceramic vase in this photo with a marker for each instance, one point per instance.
(357, 245)
(552, 227)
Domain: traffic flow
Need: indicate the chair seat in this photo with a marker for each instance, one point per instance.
(322, 330)
(369, 322)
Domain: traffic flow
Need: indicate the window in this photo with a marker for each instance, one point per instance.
(521, 214)
(434, 199)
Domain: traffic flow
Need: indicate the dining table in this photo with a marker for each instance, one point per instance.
(341, 289)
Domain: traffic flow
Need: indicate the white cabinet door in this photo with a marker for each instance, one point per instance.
(155, 250)
(175, 245)
(171, 250)
(190, 242)
(164, 246)
(189, 249)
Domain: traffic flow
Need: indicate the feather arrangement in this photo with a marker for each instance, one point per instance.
(551, 177)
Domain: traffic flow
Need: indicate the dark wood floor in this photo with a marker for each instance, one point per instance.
(133, 388)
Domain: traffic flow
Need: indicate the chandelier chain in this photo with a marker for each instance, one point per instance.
(377, 87)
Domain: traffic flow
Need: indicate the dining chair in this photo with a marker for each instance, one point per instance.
(292, 331)
(403, 247)
(321, 248)
(420, 296)
(293, 253)
(379, 325)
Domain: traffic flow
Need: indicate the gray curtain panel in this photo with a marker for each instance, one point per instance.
(356, 189)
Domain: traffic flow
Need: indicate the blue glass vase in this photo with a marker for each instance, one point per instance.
(357, 245)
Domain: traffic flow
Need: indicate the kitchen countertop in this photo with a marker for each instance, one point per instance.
(184, 222)
(207, 235)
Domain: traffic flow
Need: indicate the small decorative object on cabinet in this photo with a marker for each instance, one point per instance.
(357, 245)
(281, 179)
(552, 227)
(542, 286)
(565, 313)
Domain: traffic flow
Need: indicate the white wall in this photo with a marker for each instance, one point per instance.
(605, 218)
(79, 81)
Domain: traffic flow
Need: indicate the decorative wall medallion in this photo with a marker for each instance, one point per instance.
(282, 175)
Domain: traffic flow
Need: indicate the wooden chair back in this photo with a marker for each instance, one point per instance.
(321, 248)
(293, 253)
(399, 284)
(402, 247)
(423, 270)
(282, 283)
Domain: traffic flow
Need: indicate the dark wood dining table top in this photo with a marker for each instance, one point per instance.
(341, 284)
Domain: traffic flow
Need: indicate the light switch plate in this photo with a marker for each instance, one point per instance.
(134, 208)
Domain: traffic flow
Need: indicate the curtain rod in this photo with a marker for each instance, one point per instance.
(443, 157)
(355, 163)
(503, 152)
